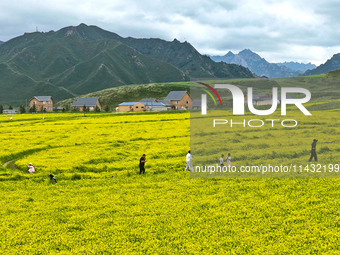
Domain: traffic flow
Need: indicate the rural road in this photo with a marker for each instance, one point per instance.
(11, 163)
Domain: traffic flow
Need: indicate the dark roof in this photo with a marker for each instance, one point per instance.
(42, 98)
(166, 102)
(153, 103)
(129, 103)
(196, 103)
(87, 101)
(269, 98)
(148, 100)
(175, 95)
(258, 97)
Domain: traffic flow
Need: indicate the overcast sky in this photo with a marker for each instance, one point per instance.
(286, 30)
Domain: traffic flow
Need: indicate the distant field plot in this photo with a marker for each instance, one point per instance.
(270, 143)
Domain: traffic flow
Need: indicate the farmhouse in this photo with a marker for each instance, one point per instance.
(263, 99)
(178, 100)
(149, 100)
(10, 111)
(153, 104)
(196, 104)
(266, 101)
(131, 107)
(157, 106)
(91, 104)
(42, 103)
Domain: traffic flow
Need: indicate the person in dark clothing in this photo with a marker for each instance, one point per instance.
(313, 151)
(142, 164)
(52, 178)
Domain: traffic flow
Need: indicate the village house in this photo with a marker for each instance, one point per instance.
(178, 100)
(131, 107)
(266, 101)
(42, 103)
(59, 109)
(152, 104)
(149, 100)
(263, 99)
(196, 104)
(91, 104)
(9, 111)
(157, 106)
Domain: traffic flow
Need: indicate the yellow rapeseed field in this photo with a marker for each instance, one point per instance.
(101, 205)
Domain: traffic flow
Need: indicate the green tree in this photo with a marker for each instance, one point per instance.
(107, 108)
(10, 107)
(22, 109)
(84, 110)
(97, 109)
(1, 108)
(33, 108)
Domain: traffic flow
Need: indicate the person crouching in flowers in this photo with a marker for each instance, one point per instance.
(31, 168)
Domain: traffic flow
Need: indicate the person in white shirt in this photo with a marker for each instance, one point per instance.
(189, 163)
(221, 160)
(31, 168)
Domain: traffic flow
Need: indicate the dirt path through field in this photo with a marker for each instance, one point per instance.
(11, 163)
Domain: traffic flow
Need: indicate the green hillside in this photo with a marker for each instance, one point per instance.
(330, 65)
(334, 74)
(36, 64)
(324, 87)
(187, 58)
(114, 96)
(182, 55)
(84, 59)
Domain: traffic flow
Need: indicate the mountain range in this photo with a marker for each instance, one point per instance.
(181, 55)
(300, 67)
(257, 64)
(262, 67)
(1, 42)
(81, 59)
(330, 65)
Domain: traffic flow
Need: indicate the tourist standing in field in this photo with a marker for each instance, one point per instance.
(313, 151)
(31, 168)
(142, 164)
(228, 159)
(189, 163)
(221, 160)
